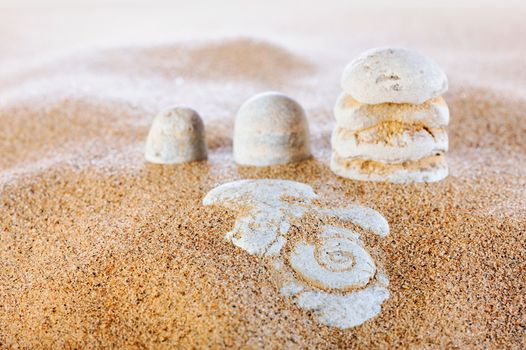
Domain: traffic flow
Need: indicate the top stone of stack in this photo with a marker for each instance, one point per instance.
(393, 75)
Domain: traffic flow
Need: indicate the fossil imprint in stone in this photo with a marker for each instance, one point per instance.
(330, 273)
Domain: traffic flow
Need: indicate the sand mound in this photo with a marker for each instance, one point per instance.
(100, 249)
(232, 59)
(109, 97)
(240, 59)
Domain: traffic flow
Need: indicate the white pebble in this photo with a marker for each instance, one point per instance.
(353, 115)
(393, 75)
(400, 147)
(177, 135)
(428, 169)
(271, 128)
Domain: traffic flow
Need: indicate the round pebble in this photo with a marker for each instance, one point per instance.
(393, 75)
(177, 135)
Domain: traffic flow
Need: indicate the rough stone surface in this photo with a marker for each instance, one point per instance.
(177, 135)
(391, 119)
(405, 145)
(429, 169)
(393, 75)
(353, 115)
(270, 129)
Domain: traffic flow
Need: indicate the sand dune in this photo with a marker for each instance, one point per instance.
(100, 249)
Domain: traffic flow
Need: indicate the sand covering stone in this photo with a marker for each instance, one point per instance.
(100, 249)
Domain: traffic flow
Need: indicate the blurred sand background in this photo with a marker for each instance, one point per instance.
(99, 249)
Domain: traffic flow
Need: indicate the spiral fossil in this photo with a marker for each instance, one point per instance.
(337, 262)
(332, 274)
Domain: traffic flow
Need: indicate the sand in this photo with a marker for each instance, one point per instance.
(99, 249)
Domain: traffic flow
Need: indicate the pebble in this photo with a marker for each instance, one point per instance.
(401, 147)
(353, 115)
(429, 169)
(393, 75)
(177, 135)
(271, 128)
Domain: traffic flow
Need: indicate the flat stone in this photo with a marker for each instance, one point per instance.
(393, 75)
(353, 115)
(428, 169)
(404, 145)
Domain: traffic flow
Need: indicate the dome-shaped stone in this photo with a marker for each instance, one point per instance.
(177, 135)
(393, 75)
(270, 128)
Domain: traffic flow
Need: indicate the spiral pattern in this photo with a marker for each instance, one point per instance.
(331, 274)
(334, 262)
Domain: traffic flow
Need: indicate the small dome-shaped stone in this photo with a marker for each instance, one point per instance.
(393, 75)
(177, 135)
(271, 128)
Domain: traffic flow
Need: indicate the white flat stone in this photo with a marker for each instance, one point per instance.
(330, 272)
(407, 172)
(400, 147)
(177, 135)
(393, 75)
(270, 129)
(258, 229)
(353, 115)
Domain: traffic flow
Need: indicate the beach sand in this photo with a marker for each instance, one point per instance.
(100, 249)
